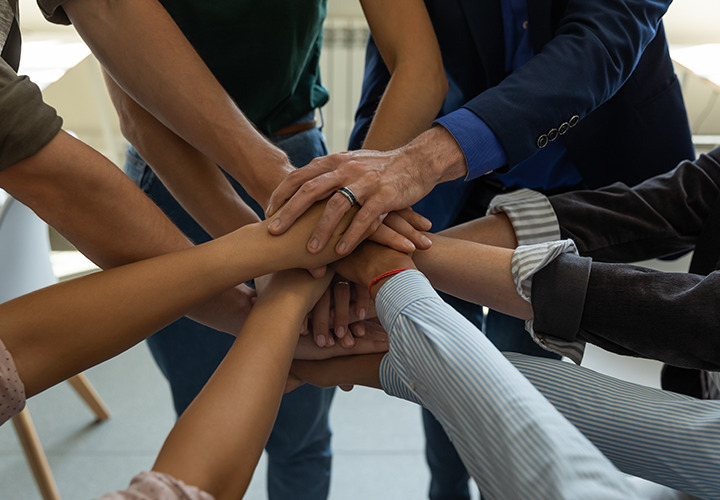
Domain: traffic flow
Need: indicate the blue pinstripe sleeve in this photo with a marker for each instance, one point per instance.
(512, 440)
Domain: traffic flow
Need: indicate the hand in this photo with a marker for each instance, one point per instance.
(375, 340)
(296, 282)
(370, 260)
(228, 311)
(381, 181)
(339, 313)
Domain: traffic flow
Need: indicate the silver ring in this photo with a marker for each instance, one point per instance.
(345, 191)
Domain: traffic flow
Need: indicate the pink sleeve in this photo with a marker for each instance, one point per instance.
(157, 486)
(12, 391)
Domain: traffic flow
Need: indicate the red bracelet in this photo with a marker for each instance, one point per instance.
(385, 275)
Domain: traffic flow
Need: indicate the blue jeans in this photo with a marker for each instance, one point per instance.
(449, 204)
(299, 452)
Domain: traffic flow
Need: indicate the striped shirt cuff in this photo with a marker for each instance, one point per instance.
(531, 215)
(526, 262)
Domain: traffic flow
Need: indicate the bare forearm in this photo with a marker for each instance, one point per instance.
(349, 370)
(495, 230)
(218, 440)
(473, 271)
(417, 86)
(61, 330)
(146, 54)
(87, 199)
(192, 178)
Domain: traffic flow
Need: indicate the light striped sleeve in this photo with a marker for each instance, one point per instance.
(513, 442)
(530, 213)
(528, 260)
(6, 19)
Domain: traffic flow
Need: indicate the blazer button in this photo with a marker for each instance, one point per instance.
(574, 120)
(542, 141)
(563, 128)
(552, 134)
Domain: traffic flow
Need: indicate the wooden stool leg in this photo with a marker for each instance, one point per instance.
(35, 455)
(87, 392)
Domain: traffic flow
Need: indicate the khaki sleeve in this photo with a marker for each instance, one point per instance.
(53, 11)
(27, 124)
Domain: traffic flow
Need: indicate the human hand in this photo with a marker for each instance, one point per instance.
(339, 313)
(374, 340)
(382, 182)
(370, 260)
(228, 311)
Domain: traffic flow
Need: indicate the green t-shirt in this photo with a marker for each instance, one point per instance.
(265, 53)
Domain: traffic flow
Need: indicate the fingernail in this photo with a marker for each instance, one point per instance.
(314, 244)
(362, 313)
(348, 341)
(341, 247)
(340, 332)
(360, 331)
(321, 340)
(331, 341)
(275, 224)
(427, 241)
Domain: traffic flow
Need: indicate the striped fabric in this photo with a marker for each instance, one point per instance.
(531, 215)
(528, 260)
(6, 19)
(658, 435)
(537, 231)
(513, 442)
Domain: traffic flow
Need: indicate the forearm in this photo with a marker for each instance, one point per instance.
(146, 54)
(495, 230)
(417, 86)
(191, 177)
(217, 442)
(61, 330)
(88, 200)
(348, 370)
(474, 272)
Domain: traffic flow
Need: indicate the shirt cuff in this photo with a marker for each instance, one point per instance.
(526, 262)
(483, 152)
(531, 215)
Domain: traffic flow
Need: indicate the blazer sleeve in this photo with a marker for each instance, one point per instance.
(630, 310)
(659, 217)
(594, 48)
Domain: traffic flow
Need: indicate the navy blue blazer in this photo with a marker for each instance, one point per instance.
(601, 75)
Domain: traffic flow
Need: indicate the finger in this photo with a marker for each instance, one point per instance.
(341, 306)
(365, 221)
(318, 272)
(334, 211)
(362, 301)
(313, 190)
(413, 218)
(321, 320)
(406, 227)
(388, 237)
(292, 182)
(346, 387)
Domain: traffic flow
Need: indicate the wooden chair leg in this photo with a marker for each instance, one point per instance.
(87, 392)
(35, 455)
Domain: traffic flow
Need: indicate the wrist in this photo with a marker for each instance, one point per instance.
(439, 153)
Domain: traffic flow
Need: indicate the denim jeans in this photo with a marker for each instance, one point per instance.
(299, 452)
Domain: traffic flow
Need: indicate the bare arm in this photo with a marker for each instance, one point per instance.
(216, 443)
(145, 52)
(191, 177)
(86, 198)
(417, 86)
(63, 329)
